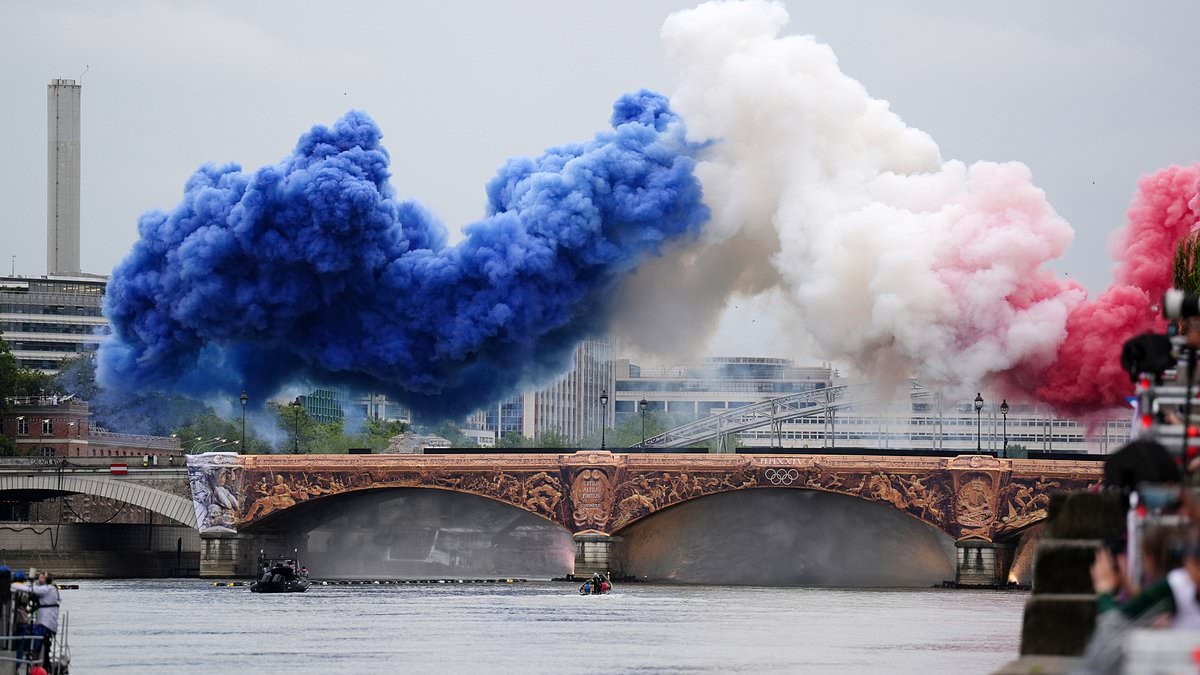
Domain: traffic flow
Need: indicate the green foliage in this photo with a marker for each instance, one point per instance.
(551, 439)
(628, 432)
(1186, 265)
(449, 431)
(17, 381)
(376, 434)
(513, 439)
(314, 437)
(300, 432)
(1016, 451)
(200, 434)
(77, 376)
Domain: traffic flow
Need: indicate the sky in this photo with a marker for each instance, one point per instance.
(1089, 95)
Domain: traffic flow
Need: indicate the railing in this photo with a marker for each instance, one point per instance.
(772, 412)
(101, 437)
(45, 401)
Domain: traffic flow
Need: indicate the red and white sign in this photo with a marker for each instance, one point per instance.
(118, 469)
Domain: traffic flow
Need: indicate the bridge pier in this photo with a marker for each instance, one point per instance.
(230, 554)
(596, 552)
(981, 563)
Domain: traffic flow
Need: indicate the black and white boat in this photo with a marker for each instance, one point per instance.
(280, 575)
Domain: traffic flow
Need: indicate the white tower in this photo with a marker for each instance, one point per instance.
(62, 178)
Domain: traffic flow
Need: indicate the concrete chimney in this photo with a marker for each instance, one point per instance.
(62, 178)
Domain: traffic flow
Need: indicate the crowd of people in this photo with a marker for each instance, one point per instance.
(1154, 586)
(1150, 578)
(31, 619)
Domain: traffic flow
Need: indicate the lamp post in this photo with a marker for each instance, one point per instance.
(978, 421)
(1004, 414)
(243, 398)
(603, 416)
(207, 446)
(296, 425)
(642, 405)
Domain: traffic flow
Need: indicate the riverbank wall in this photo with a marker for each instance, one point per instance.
(101, 550)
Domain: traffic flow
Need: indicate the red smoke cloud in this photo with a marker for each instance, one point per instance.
(1087, 374)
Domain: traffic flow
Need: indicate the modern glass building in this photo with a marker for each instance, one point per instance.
(325, 405)
(570, 407)
(50, 318)
(694, 390)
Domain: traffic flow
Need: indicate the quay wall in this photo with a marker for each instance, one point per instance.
(110, 550)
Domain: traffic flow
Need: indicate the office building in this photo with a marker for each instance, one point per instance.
(47, 319)
(569, 408)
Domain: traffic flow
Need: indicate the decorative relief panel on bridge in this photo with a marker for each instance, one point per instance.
(967, 497)
(215, 481)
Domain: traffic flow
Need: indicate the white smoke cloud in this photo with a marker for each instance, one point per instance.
(896, 261)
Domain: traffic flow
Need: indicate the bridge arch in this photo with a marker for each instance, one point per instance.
(252, 521)
(930, 515)
(163, 503)
(418, 532)
(786, 536)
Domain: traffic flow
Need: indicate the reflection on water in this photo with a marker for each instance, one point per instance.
(418, 533)
(138, 628)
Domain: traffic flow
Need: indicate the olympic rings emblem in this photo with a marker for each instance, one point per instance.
(781, 476)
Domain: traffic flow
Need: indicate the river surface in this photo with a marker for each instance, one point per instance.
(131, 627)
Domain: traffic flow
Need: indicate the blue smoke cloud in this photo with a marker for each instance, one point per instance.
(312, 271)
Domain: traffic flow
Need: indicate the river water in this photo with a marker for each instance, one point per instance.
(132, 627)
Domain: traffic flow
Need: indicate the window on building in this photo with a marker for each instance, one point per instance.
(47, 451)
(47, 427)
(22, 426)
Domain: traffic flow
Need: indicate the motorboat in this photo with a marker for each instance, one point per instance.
(597, 585)
(280, 575)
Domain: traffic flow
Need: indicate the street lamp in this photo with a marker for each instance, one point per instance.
(207, 446)
(978, 421)
(603, 416)
(1004, 414)
(243, 398)
(642, 405)
(296, 417)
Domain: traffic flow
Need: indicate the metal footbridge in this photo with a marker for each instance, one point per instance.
(774, 412)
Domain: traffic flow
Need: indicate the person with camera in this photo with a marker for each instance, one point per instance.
(46, 621)
(24, 605)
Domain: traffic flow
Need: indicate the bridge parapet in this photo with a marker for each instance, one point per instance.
(968, 497)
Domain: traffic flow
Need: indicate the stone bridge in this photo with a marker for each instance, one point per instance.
(595, 494)
(160, 490)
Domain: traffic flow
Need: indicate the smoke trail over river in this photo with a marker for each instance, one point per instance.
(312, 269)
(894, 260)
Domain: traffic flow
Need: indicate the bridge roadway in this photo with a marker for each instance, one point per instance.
(596, 494)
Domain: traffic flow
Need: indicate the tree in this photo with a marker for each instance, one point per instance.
(377, 433)
(1185, 270)
(513, 439)
(449, 431)
(628, 432)
(15, 381)
(551, 439)
(18, 381)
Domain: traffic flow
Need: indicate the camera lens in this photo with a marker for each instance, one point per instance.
(1180, 305)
